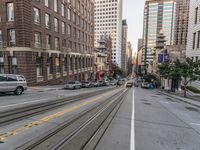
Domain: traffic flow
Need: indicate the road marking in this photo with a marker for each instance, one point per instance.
(46, 119)
(197, 124)
(133, 124)
(11, 105)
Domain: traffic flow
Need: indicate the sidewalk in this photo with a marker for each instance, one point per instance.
(46, 88)
(190, 100)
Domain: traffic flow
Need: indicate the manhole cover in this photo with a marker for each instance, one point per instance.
(147, 103)
(192, 109)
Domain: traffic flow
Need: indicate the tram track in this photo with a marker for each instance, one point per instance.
(13, 115)
(81, 132)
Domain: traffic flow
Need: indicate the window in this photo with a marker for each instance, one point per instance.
(36, 16)
(10, 11)
(196, 15)
(198, 39)
(55, 24)
(11, 37)
(194, 37)
(37, 40)
(56, 5)
(1, 40)
(69, 14)
(11, 78)
(63, 10)
(48, 41)
(39, 64)
(56, 43)
(3, 78)
(47, 21)
(69, 31)
(46, 3)
(63, 28)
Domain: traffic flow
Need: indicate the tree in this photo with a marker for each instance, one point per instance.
(187, 71)
(117, 71)
(165, 71)
(190, 71)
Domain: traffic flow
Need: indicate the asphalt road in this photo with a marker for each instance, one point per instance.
(18, 133)
(35, 95)
(163, 123)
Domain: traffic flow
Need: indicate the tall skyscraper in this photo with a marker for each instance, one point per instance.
(158, 14)
(124, 46)
(181, 22)
(108, 19)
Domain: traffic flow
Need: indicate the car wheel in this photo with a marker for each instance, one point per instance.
(19, 91)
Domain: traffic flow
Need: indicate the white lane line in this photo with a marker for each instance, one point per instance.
(197, 124)
(133, 124)
(23, 103)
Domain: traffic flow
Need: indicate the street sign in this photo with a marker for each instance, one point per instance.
(163, 57)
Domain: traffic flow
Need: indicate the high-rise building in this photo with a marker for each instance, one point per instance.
(108, 19)
(47, 41)
(181, 22)
(193, 39)
(124, 56)
(158, 14)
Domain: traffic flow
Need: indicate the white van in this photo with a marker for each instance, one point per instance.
(12, 83)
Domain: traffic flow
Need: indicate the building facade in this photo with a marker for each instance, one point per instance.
(108, 19)
(193, 39)
(47, 41)
(158, 14)
(103, 58)
(181, 22)
(124, 46)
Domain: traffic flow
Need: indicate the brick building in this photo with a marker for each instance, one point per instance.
(47, 41)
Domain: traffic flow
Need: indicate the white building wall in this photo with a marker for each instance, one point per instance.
(108, 19)
(193, 27)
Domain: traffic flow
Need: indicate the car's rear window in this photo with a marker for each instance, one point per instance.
(71, 82)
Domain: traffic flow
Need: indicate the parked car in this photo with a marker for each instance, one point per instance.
(145, 85)
(136, 84)
(129, 84)
(87, 84)
(106, 83)
(73, 85)
(95, 83)
(113, 83)
(100, 83)
(12, 83)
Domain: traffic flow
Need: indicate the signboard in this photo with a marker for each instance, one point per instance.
(163, 58)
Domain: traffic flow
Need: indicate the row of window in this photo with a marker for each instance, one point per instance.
(68, 65)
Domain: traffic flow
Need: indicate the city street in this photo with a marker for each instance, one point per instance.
(163, 123)
(21, 133)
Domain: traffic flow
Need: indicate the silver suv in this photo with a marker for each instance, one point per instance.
(12, 83)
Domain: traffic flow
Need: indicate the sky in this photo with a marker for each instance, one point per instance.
(133, 12)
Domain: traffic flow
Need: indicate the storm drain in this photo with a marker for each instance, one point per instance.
(147, 103)
(192, 109)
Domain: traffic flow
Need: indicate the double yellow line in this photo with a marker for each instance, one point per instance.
(46, 119)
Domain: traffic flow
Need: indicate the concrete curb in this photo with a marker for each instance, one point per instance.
(185, 100)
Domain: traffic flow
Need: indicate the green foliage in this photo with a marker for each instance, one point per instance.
(117, 71)
(193, 89)
(149, 77)
(187, 71)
